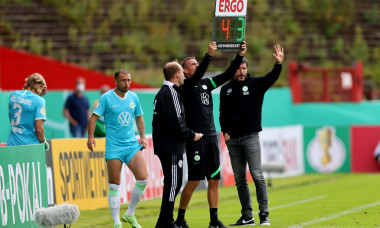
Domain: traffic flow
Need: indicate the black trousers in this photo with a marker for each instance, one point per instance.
(172, 166)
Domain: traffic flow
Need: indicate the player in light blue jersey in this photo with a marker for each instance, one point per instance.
(27, 113)
(120, 107)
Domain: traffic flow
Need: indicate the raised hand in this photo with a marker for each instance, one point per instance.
(212, 48)
(243, 49)
(279, 55)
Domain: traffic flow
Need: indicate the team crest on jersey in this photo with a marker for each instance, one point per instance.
(205, 98)
(132, 105)
(229, 91)
(180, 163)
(124, 118)
(43, 110)
(204, 87)
(245, 90)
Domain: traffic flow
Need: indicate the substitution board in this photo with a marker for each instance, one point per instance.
(229, 24)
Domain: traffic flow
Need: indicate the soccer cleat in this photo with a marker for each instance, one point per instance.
(118, 226)
(218, 224)
(264, 219)
(132, 220)
(244, 221)
(182, 224)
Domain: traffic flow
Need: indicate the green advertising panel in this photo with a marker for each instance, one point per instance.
(327, 149)
(23, 187)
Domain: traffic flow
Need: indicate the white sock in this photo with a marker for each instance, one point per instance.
(114, 202)
(136, 195)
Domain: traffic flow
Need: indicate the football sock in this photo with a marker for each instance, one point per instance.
(114, 202)
(136, 195)
(214, 215)
(181, 215)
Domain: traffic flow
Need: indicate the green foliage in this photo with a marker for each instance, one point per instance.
(100, 45)
(129, 43)
(330, 16)
(151, 32)
(338, 45)
(91, 62)
(49, 44)
(359, 49)
(372, 15)
(303, 51)
(36, 45)
(19, 43)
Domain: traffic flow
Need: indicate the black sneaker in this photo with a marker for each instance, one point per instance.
(169, 224)
(219, 224)
(244, 221)
(264, 219)
(182, 224)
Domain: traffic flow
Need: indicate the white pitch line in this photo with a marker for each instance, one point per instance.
(350, 211)
(277, 207)
(270, 209)
(294, 203)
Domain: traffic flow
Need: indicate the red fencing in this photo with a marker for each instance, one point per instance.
(319, 84)
(15, 66)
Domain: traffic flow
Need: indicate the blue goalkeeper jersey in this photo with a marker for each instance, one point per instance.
(119, 114)
(25, 107)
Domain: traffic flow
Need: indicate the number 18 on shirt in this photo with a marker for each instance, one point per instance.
(229, 24)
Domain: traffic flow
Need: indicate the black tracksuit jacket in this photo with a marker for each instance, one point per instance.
(197, 97)
(241, 103)
(169, 126)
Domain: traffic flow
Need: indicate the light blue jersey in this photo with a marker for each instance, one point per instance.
(25, 107)
(119, 114)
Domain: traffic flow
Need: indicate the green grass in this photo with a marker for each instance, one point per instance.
(314, 200)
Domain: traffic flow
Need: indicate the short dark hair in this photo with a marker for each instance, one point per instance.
(121, 71)
(244, 60)
(170, 69)
(183, 63)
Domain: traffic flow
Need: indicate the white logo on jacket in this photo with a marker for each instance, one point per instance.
(205, 99)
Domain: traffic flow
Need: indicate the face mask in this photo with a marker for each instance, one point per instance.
(80, 87)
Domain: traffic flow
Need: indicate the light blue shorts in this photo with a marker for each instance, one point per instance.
(124, 155)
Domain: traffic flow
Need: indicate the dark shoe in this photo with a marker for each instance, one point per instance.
(182, 224)
(264, 219)
(219, 224)
(166, 226)
(169, 224)
(244, 221)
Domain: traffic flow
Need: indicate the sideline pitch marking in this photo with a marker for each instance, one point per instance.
(294, 203)
(278, 207)
(271, 208)
(350, 211)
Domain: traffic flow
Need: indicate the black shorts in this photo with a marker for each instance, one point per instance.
(203, 158)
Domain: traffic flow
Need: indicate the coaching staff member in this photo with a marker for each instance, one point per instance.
(203, 156)
(169, 138)
(241, 102)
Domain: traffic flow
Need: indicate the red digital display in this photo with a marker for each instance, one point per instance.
(230, 29)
